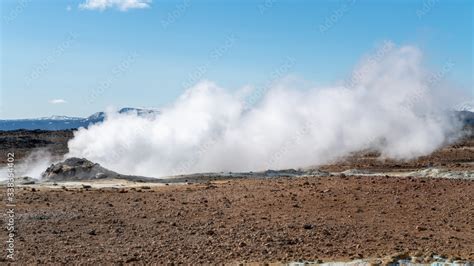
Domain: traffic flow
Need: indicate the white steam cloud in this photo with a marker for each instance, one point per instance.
(32, 166)
(390, 104)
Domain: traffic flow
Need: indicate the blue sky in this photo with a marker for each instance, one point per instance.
(74, 58)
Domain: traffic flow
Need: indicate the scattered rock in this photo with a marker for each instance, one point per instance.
(308, 226)
(420, 228)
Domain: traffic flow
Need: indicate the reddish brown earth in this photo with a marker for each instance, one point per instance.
(457, 156)
(262, 220)
(272, 220)
(23, 142)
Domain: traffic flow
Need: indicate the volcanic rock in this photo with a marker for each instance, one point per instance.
(78, 169)
(74, 169)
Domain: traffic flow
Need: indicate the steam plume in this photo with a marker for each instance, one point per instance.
(32, 166)
(390, 104)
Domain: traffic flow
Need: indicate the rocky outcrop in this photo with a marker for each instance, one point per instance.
(77, 169)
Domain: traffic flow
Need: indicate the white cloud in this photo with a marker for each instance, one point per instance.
(57, 101)
(122, 5)
(68, 8)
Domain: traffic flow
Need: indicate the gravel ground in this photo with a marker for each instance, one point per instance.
(270, 220)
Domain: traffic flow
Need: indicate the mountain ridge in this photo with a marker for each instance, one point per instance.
(57, 122)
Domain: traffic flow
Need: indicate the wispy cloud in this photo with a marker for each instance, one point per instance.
(122, 5)
(57, 101)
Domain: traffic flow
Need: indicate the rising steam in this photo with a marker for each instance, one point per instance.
(32, 166)
(390, 103)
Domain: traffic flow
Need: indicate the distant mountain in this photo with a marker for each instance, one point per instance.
(467, 117)
(65, 122)
(465, 112)
(100, 116)
(466, 107)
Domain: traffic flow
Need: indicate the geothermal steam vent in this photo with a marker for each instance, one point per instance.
(74, 169)
(77, 169)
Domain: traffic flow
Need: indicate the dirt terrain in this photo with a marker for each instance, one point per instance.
(272, 220)
(23, 142)
(279, 219)
(455, 156)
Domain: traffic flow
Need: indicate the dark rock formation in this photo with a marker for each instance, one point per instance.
(77, 169)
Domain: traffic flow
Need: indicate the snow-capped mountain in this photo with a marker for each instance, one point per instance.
(59, 117)
(466, 107)
(464, 112)
(65, 122)
(100, 116)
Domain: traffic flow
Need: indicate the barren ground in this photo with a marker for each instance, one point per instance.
(259, 220)
(277, 220)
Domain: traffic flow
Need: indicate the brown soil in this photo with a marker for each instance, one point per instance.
(23, 142)
(271, 220)
(260, 220)
(457, 156)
